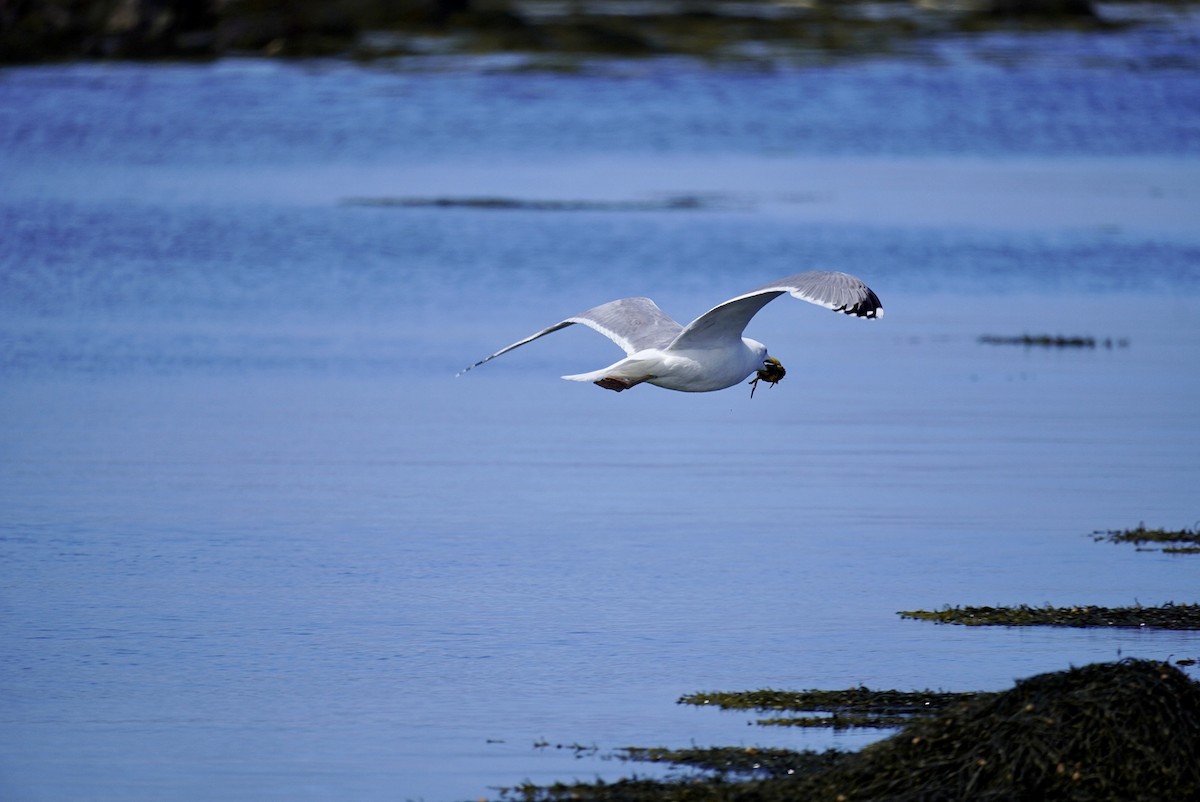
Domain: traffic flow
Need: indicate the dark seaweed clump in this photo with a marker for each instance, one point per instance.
(1053, 341)
(858, 707)
(1188, 539)
(1125, 730)
(1109, 731)
(745, 760)
(1166, 616)
(495, 203)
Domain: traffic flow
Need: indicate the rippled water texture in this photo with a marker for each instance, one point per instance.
(259, 542)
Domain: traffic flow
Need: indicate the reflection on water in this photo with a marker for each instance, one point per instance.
(258, 541)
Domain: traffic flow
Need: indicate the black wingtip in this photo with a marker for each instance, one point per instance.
(869, 307)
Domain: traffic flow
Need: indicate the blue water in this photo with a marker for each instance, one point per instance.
(259, 542)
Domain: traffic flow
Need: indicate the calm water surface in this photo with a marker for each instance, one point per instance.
(258, 541)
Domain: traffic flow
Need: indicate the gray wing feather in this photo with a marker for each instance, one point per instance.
(840, 292)
(634, 324)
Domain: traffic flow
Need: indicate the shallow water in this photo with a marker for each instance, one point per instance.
(259, 542)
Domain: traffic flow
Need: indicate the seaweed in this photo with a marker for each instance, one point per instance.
(1125, 730)
(837, 722)
(854, 708)
(1053, 341)
(861, 699)
(747, 760)
(500, 203)
(1166, 616)
(1140, 536)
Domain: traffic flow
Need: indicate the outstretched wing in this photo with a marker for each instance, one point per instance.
(840, 292)
(634, 324)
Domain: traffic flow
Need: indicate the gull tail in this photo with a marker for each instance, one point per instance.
(620, 375)
(594, 376)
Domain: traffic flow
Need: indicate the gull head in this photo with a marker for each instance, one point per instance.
(771, 372)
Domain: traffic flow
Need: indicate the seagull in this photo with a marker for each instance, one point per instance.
(709, 353)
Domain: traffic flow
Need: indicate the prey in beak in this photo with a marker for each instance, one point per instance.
(771, 372)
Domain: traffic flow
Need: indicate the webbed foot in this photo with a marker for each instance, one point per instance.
(619, 384)
(613, 383)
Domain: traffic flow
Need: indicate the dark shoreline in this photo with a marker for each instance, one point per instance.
(38, 31)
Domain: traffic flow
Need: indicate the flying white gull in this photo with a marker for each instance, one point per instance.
(709, 353)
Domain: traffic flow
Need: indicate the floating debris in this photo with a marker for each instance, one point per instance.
(1053, 341)
(1141, 535)
(1124, 730)
(669, 203)
(1166, 616)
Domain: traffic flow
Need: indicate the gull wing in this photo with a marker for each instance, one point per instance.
(840, 292)
(634, 324)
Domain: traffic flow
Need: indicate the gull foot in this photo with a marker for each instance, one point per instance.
(613, 383)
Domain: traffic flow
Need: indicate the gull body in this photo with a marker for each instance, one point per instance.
(689, 371)
(710, 353)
